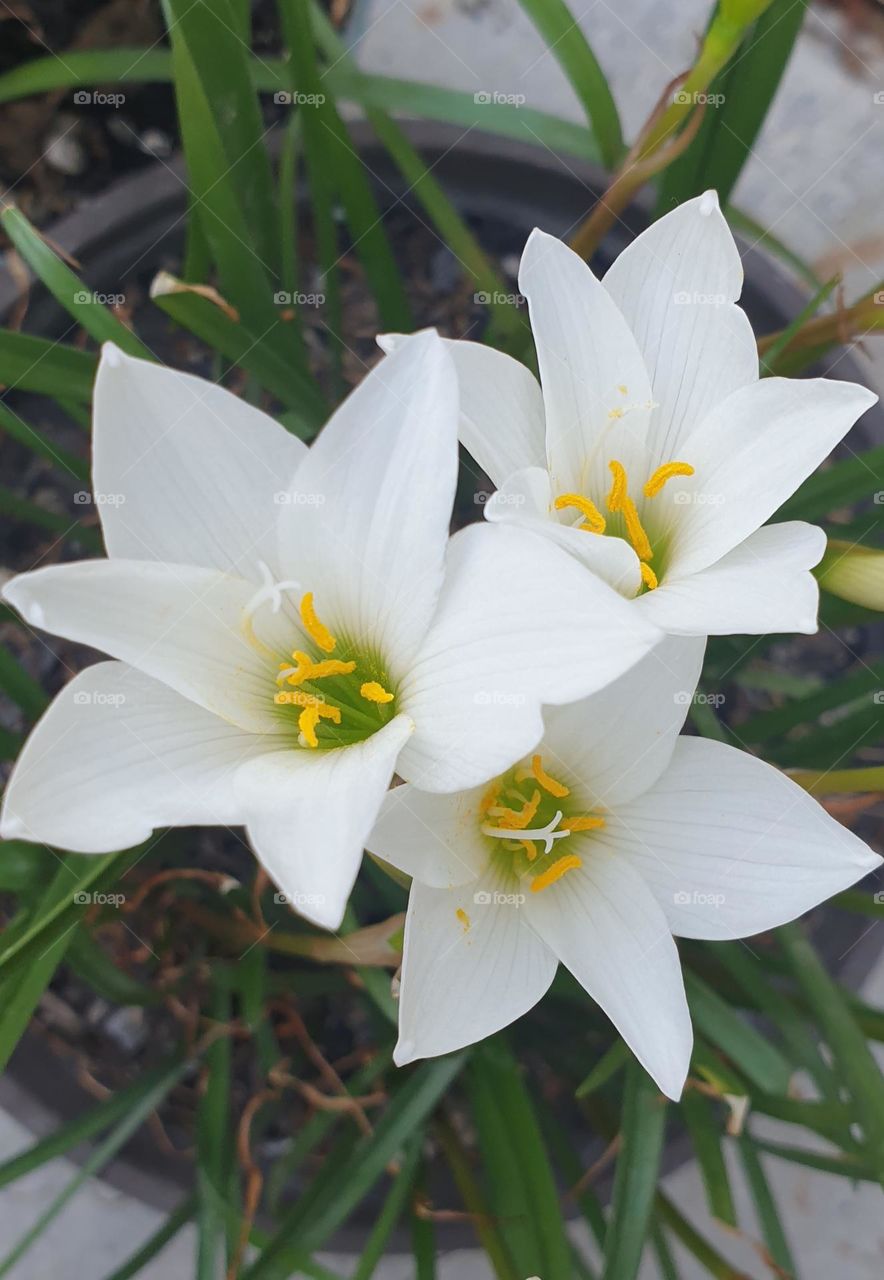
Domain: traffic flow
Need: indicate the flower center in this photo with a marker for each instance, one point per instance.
(620, 505)
(529, 812)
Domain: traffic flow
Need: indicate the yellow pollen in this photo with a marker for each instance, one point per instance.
(310, 717)
(585, 822)
(664, 473)
(615, 413)
(593, 520)
(617, 495)
(570, 862)
(549, 784)
(307, 669)
(649, 578)
(463, 918)
(517, 820)
(622, 388)
(635, 530)
(530, 850)
(374, 692)
(319, 634)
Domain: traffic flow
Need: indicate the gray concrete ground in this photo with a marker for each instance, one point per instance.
(817, 180)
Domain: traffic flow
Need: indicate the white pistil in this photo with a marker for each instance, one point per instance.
(269, 590)
(547, 834)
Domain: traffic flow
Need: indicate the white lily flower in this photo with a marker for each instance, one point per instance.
(654, 453)
(290, 626)
(612, 836)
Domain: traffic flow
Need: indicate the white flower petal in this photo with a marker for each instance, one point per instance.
(749, 455)
(615, 744)
(676, 285)
(526, 500)
(763, 585)
(177, 623)
(185, 471)
(118, 754)
(367, 522)
(501, 407)
(465, 976)
(433, 838)
(519, 624)
(730, 846)
(308, 813)
(605, 926)
(596, 389)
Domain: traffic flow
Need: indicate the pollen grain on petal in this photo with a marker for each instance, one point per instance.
(561, 867)
(316, 630)
(463, 918)
(664, 473)
(372, 691)
(548, 783)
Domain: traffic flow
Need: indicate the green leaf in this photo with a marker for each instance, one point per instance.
(22, 688)
(67, 289)
(145, 1099)
(488, 1230)
(389, 1215)
(521, 1187)
(564, 38)
(28, 363)
(772, 353)
(638, 1168)
(213, 1142)
(19, 430)
(703, 1121)
(13, 506)
(843, 484)
(765, 1206)
(759, 1061)
(853, 687)
(607, 1066)
(23, 866)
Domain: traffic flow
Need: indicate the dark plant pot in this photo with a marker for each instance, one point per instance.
(504, 188)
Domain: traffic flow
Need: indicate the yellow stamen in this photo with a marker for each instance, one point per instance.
(585, 822)
(528, 846)
(649, 578)
(517, 820)
(549, 784)
(374, 692)
(463, 918)
(617, 494)
(664, 473)
(635, 531)
(593, 520)
(307, 722)
(318, 633)
(307, 669)
(570, 862)
(489, 798)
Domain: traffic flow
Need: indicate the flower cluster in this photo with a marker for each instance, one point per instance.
(292, 628)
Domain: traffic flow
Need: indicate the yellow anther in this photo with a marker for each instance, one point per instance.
(549, 784)
(463, 918)
(318, 633)
(664, 473)
(517, 819)
(614, 414)
(530, 850)
(489, 798)
(374, 692)
(570, 862)
(585, 822)
(593, 520)
(306, 669)
(307, 722)
(649, 578)
(635, 531)
(617, 494)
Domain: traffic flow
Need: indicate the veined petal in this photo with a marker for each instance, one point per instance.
(730, 846)
(308, 813)
(184, 471)
(471, 966)
(501, 407)
(519, 624)
(118, 754)
(596, 390)
(180, 624)
(750, 454)
(526, 500)
(616, 743)
(368, 517)
(676, 284)
(605, 926)
(433, 838)
(763, 585)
